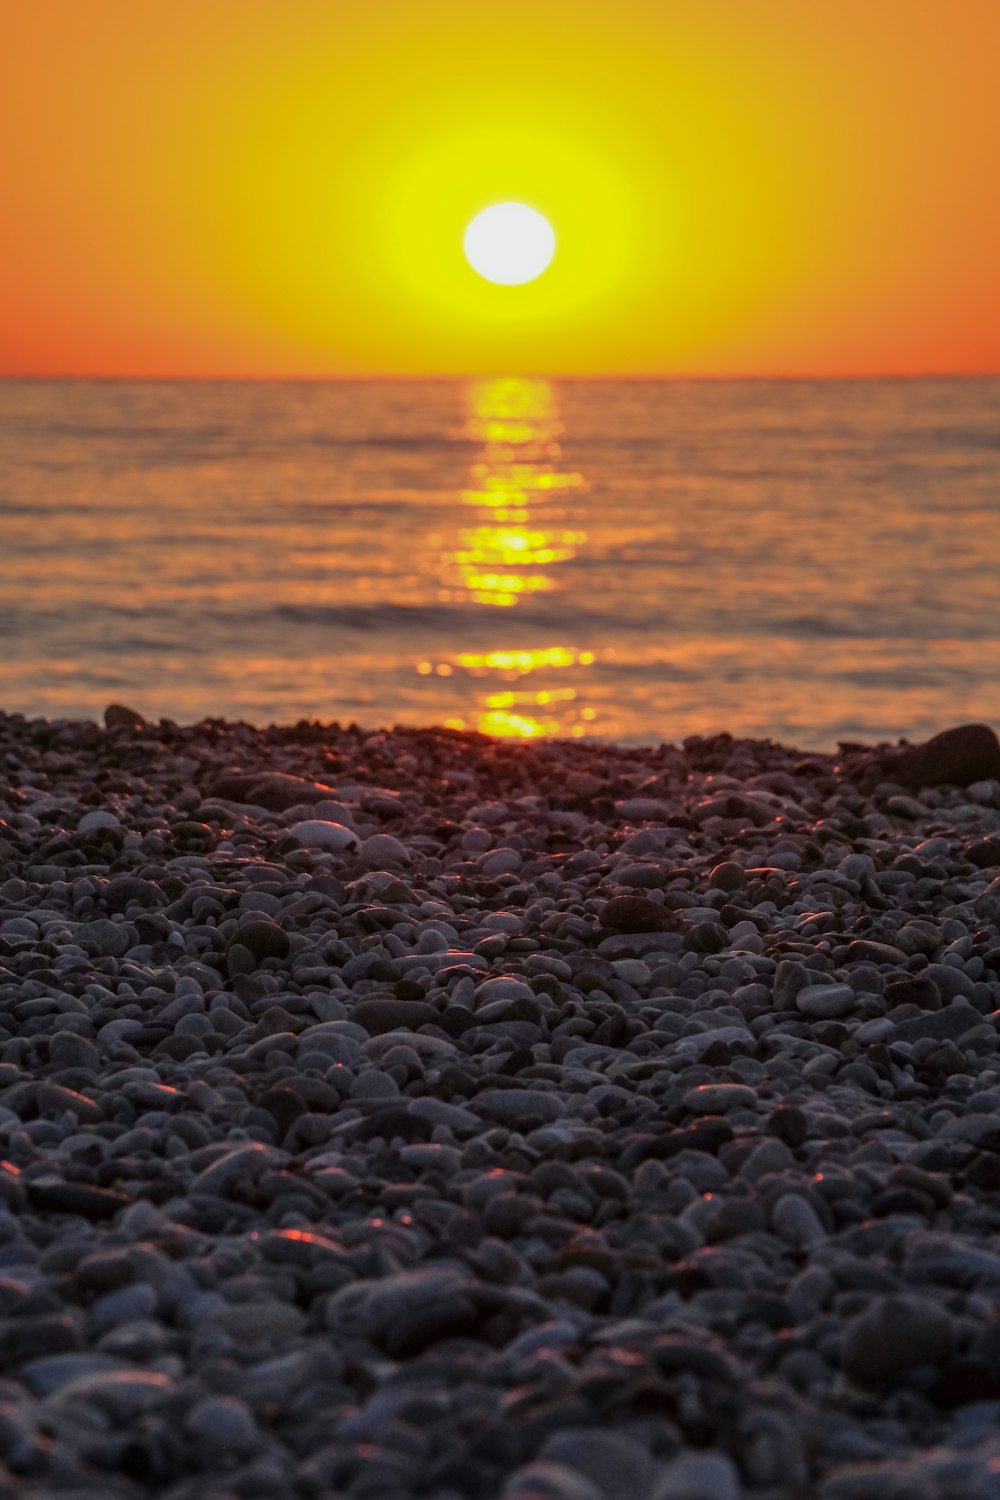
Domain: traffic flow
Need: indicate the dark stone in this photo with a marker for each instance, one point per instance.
(264, 939)
(705, 1135)
(983, 1171)
(707, 937)
(964, 1381)
(76, 1198)
(240, 962)
(390, 1121)
(117, 716)
(983, 853)
(381, 1014)
(863, 950)
(943, 1025)
(33, 1337)
(284, 1104)
(275, 790)
(789, 1124)
(914, 990)
(727, 876)
(635, 914)
(123, 889)
(951, 982)
(894, 1334)
(956, 757)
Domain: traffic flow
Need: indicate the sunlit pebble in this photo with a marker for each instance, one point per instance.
(272, 1037)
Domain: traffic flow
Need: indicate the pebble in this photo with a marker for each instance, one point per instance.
(700, 1476)
(795, 1220)
(617, 1464)
(895, 1333)
(98, 818)
(623, 1121)
(314, 833)
(719, 1098)
(222, 1426)
(825, 1001)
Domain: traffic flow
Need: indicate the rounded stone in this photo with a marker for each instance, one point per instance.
(383, 849)
(314, 833)
(795, 1220)
(264, 939)
(719, 1098)
(895, 1333)
(728, 876)
(700, 1476)
(634, 914)
(826, 1002)
(99, 818)
(222, 1424)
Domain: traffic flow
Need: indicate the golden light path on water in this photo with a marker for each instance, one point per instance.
(520, 531)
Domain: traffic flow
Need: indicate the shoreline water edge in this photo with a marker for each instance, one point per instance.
(410, 1113)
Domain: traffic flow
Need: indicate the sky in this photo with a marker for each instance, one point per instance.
(280, 187)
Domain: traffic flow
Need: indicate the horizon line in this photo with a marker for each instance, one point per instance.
(600, 375)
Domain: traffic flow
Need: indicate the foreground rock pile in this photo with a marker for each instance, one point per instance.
(411, 1114)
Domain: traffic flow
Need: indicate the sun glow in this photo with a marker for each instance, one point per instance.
(509, 244)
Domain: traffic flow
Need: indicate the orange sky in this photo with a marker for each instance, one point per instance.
(279, 187)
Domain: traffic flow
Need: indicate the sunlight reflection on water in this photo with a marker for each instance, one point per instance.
(519, 480)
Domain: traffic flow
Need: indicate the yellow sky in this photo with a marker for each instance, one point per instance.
(280, 187)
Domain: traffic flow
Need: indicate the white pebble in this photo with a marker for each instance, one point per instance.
(98, 818)
(315, 834)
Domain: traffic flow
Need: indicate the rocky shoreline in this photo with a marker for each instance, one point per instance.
(407, 1113)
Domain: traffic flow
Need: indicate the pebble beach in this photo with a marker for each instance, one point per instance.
(409, 1113)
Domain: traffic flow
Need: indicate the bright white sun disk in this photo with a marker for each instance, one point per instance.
(509, 243)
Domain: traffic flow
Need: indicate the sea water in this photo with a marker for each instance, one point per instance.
(636, 560)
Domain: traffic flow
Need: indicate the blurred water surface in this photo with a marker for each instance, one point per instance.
(637, 560)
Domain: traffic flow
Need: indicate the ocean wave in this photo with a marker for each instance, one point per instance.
(447, 617)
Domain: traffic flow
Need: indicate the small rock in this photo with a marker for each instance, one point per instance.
(124, 1394)
(380, 1015)
(914, 989)
(383, 849)
(104, 938)
(956, 756)
(544, 1480)
(68, 1050)
(98, 818)
(313, 833)
(719, 1098)
(728, 876)
(406, 1311)
(618, 1464)
(942, 1025)
(895, 1333)
(635, 914)
(795, 1220)
(259, 1322)
(700, 1476)
(222, 1425)
(117, 716)
(826, 1001)
(502, 987)
(262, 938)
(513, 1105)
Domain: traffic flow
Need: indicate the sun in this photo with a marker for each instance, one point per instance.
(509, 244)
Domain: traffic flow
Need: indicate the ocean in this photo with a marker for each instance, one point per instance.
(810, 561)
